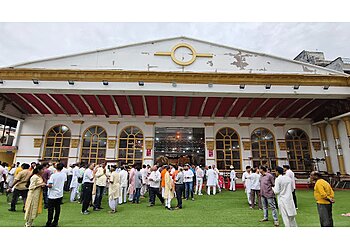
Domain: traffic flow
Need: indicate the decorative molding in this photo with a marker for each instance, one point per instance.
(149, 144)
(246, 145)
(207, 124)
(210, 145)
(111, 144)
(150, 137)
(148, 158)
(316, 145)
(243, 124)
(279, 124)
(27, 156)
(168, 77)
(150, 123)
(37, 142)
(78, 121)
(31, 135)
(282, 145)
(114, 122)
(74, 143)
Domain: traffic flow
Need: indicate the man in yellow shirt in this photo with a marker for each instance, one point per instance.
(324, 196)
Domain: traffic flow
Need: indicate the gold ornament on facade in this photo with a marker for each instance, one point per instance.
(149, 144)
(210, 145)
(246, 145)
(38, 142)
(111, 144)
(316, 145)
(193, 54)
(282, 145)
(74, 143)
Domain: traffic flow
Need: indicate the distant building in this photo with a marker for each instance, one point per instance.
(341, 64)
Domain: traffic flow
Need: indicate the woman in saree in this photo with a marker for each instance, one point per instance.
(33, 205)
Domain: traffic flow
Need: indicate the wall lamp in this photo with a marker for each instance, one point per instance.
(326, 87)
(105, 83)
(35, 81)
(141, 83)
(242, 86)
(268, 86)
(71, 82)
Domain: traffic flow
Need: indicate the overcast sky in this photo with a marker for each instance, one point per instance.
(22, 42)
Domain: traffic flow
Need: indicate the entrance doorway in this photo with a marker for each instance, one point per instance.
(180, 145)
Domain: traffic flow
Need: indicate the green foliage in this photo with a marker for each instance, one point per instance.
(226, 209)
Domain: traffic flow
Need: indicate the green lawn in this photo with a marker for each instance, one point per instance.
(226, 209)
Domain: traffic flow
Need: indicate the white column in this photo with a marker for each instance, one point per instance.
(244, 135)
(281, 153)
(148, 134)
(17, 133)
(209, 133)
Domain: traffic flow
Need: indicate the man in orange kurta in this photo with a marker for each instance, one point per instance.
(162, 175)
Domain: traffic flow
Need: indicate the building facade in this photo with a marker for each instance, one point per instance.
(186, 99)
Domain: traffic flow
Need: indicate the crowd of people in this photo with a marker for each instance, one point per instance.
(43, 185)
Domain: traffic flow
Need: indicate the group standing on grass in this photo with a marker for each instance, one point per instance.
(42, 186)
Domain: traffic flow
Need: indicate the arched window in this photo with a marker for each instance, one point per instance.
(131, 145)
(228, 150)
(263, 147)
(94, 145)
(298, 149)
(57, 144)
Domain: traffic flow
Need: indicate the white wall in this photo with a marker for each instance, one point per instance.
(38, 127)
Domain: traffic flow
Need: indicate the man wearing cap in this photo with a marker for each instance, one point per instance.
(232, 179)
(247, 183)
(284, 188)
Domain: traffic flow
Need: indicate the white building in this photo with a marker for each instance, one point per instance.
(182, 98)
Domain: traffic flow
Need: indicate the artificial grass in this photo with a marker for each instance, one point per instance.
(226, 209)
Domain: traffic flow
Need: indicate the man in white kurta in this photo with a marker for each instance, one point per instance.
(74, 183)
(211, 180)
(123, 185)
(199, 180)
(144, 174)
(284, 188)
(246, 183)
(232, 179)
(217, 177)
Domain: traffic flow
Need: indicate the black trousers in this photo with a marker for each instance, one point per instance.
(87, 195)
(2, 188)
(179, 189)
(153, 192)
(17, 193)
(295, 199)
(54, 207)
(46, 199)
(67, 183)
(325, 213)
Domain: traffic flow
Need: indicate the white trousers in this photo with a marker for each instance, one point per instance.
(217, 184)
(143, 189)
(199, 183)
(168, 203)
(163, 190)
(232, 185)
(73, 194)
(122, 195)
(288, 221)
(214, 190)
(113, 203)
(247, 191)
